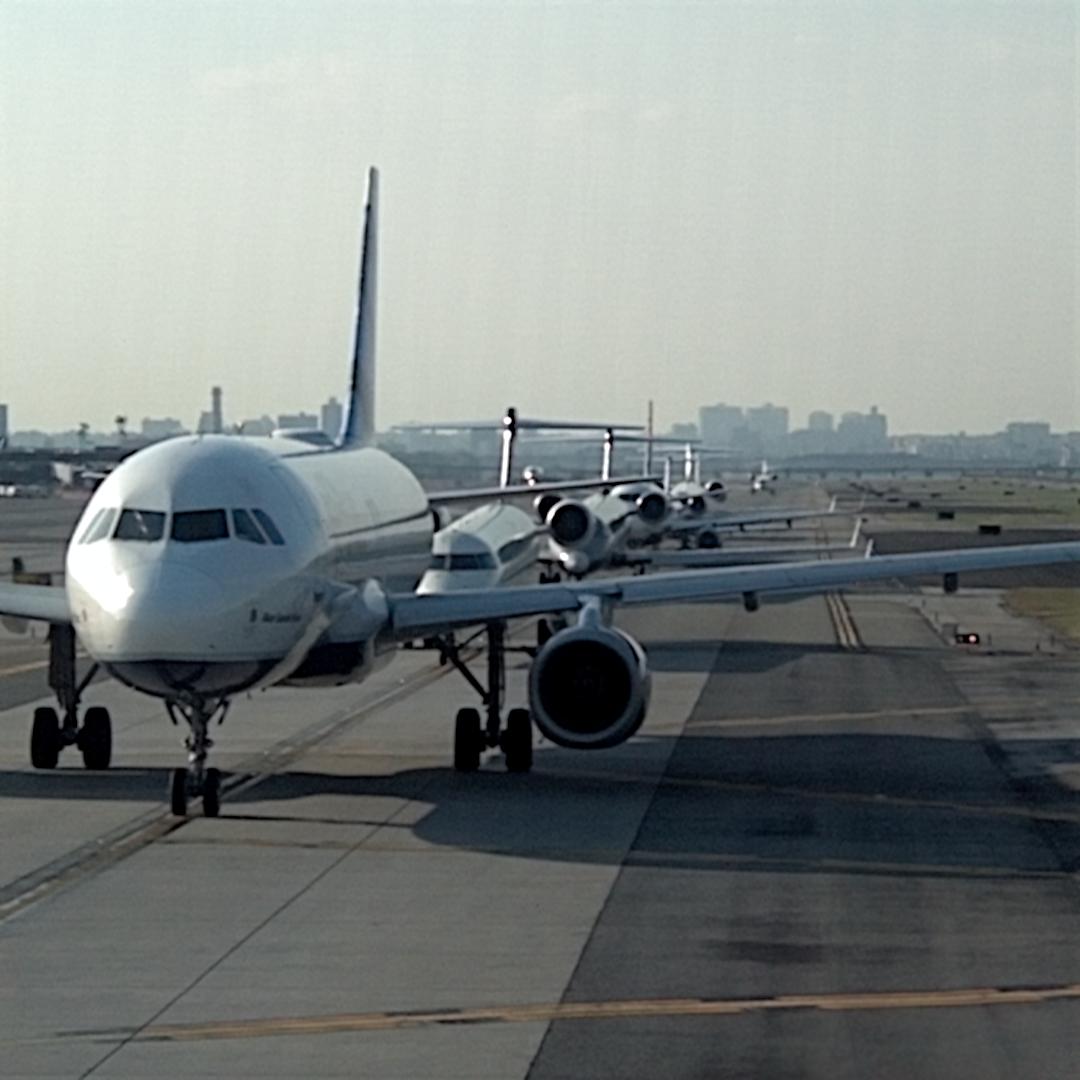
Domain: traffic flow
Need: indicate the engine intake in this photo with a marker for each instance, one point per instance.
(652, 507)
(589, 687)
(570, 523)
(544, 504)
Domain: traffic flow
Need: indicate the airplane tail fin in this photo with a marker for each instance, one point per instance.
(358, 426)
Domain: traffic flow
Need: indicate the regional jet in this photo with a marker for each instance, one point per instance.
(209, 566)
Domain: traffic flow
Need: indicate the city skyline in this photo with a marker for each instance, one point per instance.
(823, 203)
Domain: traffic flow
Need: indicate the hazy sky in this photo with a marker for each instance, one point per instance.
(821, 204)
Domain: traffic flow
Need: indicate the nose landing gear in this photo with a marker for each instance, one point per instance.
(196, 780)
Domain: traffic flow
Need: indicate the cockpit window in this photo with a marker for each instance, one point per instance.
(143, 525)
(245, 528)
(99, 528)
(479, 561)
(196, 526)
(269, 527)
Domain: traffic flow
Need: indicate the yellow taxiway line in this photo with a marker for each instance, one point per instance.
(875, 1001)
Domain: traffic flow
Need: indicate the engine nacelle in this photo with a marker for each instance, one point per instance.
(440, 517)
(695, 504)
(714, 487)
(589, 687)
(652, 507)
(571, 523)
(544, 504)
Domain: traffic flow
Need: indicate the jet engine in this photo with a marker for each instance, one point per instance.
(714, 487)
(652, 507)
(589, 686)
(695, 504)
(571, 523)
(544, 504)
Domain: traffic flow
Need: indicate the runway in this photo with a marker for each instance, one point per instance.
(839, 848)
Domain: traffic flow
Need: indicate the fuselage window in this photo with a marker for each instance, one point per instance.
(245, 528)
(269, 527)
(100, 526)
(197, 526)
(145, 526)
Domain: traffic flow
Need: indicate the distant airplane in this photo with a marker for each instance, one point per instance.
(208, 566)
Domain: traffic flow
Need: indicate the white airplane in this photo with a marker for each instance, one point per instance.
(491, 545)
(763, 479)
(210, 566)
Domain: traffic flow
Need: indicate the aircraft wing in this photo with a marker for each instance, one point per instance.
(473, 494)
(48, 603)
(751, 518)
(412, 615)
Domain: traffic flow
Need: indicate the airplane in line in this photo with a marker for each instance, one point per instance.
(209, 566)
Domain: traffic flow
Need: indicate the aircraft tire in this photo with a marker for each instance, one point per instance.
(95, 738)
(518, 742)
(45, 738)
(467, 740)
(178, 794)
(211, 796)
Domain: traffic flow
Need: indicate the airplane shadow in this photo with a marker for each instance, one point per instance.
(891, 805)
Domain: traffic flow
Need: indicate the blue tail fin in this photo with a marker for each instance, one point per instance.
(358, 427)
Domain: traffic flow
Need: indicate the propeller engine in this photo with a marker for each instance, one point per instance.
(589, 685)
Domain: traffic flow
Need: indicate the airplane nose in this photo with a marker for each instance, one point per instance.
(156, 611)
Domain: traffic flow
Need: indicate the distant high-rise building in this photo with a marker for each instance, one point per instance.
(819, 420)
(863, 433)
(769, 423)
(331, 415)
(3, 425)
(218, 425)
(720, 425)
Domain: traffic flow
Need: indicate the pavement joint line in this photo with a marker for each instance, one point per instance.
(110, 848)
(1007, 707)
(632, 1008)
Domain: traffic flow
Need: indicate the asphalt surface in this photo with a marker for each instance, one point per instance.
(817, 860)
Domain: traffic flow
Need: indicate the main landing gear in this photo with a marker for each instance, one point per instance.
(48, 735)
(472, 735)
(196, 780)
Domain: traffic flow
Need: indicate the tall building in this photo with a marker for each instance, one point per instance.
(770, 424)
(3, 425)
(863, 433)
(218, 425)
(720, 425)
(331, 416)
(819, 420)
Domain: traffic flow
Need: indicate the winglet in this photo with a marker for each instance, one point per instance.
(358, 427)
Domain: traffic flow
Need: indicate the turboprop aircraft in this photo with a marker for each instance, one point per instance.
(209, 566)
